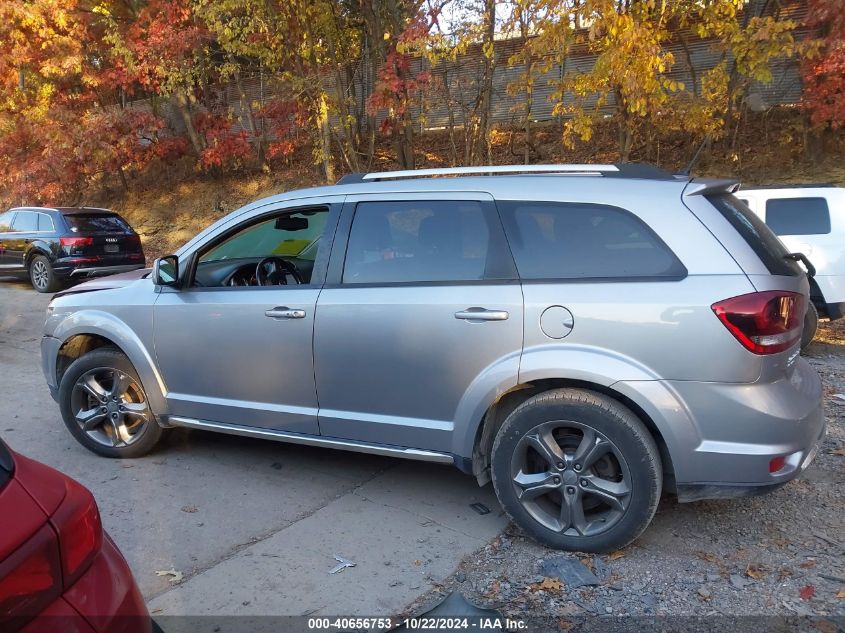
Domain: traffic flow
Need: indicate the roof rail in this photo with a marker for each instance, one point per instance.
(622, 170)
(490, 170)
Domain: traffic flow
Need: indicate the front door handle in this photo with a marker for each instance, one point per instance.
(283, 312)
(481, 314)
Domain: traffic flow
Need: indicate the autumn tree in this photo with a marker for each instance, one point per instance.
(749, 36)
(824, 70)
(630, 76)
(56, 131)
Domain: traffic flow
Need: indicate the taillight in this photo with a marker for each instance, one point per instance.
(77, 522)
(74, 245)
(134, 240)
(76, 241)
(30, 579)
(764, 322)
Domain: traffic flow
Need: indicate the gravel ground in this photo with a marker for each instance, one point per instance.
(776, 555)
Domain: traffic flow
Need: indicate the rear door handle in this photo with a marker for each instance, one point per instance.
(481, 314)
(283, 312)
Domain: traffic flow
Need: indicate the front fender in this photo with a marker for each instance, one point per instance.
(109, 326)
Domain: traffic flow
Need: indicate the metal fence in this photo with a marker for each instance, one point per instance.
(455, 84)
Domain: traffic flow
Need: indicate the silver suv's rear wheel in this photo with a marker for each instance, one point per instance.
(104, 405)
(577, 470)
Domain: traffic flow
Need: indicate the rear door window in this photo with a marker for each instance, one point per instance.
(425, 241)
(562, 240)
(798, 216)
(6, 221)
(45, 222)
(754, 231)
(25, 222)
(96, 223)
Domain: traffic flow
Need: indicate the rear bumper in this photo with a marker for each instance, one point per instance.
(104, 600)
(92, 271)
(107, 596)
(721, 437)
(75, 267)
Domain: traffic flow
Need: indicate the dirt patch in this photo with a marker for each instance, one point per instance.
(778, 554)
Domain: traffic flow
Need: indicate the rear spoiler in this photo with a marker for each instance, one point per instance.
(707, 186)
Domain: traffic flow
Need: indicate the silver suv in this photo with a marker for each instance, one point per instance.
(585, 336)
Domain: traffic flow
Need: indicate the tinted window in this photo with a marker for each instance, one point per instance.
(6, 221)
(798, 216)
(45, 222)
(754, 231)
(425, 241)
(25, 221)
(96, 223)
(557, 240)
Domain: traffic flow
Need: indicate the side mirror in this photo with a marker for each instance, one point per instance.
(166, 271)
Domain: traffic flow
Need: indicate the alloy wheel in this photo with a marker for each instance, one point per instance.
(40, 274)
(570, 478)
(110, 407)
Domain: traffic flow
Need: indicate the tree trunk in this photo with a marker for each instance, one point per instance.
(182, 102)
(487, 80)
(247, 119)
(325, 137)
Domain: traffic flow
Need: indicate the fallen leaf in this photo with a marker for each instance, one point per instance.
(808, 564)
(826, 626)
(189, 509)
(176, 576)
(806, 592)
(838, 451)
(755, 571)
(615, 555)
(841, 594)
(417, 563)
(548, 584)
(784, 572)
(710, 558)
(587, 562)
(564, 625)
(493, 590)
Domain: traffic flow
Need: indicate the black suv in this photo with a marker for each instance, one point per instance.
(53, 245)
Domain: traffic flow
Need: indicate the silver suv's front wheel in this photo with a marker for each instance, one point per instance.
(577, 470)
(104, 405)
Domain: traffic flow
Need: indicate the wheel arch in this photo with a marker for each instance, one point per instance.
(89, 330)
(494, 417)
(35, 249)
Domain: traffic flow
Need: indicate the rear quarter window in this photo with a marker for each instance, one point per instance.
(561, 240)
(798, 216)
(97, 223)
(757, 235)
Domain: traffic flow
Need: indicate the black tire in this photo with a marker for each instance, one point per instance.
(100, 362)
(627, 444)
(41, 275)
(811, 324)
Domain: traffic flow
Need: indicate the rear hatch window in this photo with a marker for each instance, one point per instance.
(96, 223)
(754, 231)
